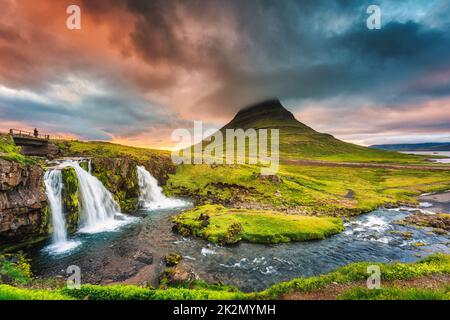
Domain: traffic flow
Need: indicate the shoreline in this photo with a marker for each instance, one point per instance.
(440, 201)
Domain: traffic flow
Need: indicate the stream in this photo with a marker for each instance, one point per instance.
(127, 253)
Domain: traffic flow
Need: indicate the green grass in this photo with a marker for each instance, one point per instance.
(434, 264)
(297, 140)
(129, 292)
(396, 294)
(15, 269)
(218, 224)
(107, 150)
(9, 150)
(297, 143)
(8, 292)
(352, 273)
(308, 189)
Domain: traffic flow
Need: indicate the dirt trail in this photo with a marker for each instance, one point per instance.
(333, 291)
(322, 163)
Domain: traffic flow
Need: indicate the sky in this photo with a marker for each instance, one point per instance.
(137, 70)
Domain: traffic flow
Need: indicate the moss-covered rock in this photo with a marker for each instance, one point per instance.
(45, 226)
(119, 176)
(70, 198)
(172, 259)
(177, 275)
(229, 226)
(439, 223)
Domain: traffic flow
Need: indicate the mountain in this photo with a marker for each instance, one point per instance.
(297, 140)
(428, 146)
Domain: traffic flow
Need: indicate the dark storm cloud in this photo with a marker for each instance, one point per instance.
(206, 59)
(289, 49)
(94, 117)
(395, 40)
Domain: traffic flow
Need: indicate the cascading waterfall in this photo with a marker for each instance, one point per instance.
(151, 196)
(99, 211)
(53, 189)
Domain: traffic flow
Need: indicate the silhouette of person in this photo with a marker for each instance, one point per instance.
(36, 132)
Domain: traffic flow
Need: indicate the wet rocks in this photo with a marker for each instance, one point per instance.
(204, 218)
(172, 259)
(180, 274)
(144, 257)
(405, 234)
(119, 176)
(440, 223)
(269, 177)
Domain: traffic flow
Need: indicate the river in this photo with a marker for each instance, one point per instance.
(444, 154)
(112, 257)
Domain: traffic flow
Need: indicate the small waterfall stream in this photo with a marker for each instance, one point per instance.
(53, 189)
(99, 211)
(151, 196)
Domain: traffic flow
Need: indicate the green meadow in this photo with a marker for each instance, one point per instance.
(312, 190)
(218, 224)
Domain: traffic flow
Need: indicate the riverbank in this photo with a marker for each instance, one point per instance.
(135, 253)
(427, 279)
(436, 202)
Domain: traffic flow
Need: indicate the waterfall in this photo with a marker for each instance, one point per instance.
(99, 211)
(53, 189)
(150, 194)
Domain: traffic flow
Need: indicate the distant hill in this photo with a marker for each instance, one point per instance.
(297, 140)
(429, 146)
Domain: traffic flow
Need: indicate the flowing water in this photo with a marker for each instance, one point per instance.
(98, 211)
(106, 258)
(151, 196)
(53, 189)
(445, 155)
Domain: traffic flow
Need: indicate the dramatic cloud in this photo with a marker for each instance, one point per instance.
(138, 69)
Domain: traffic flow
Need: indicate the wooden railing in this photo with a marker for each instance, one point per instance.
(23, 133)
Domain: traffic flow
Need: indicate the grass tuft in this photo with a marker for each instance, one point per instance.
(218, 224)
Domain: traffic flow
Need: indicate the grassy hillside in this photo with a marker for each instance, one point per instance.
(295, 144)
(9, 151)
(106, 150)
(305, 189)
(298, 141)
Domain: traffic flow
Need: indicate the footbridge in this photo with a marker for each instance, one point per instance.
(32, 143)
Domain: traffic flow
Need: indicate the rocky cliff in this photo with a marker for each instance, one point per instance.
(23, 205)
(119, 176)
(24, 213)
